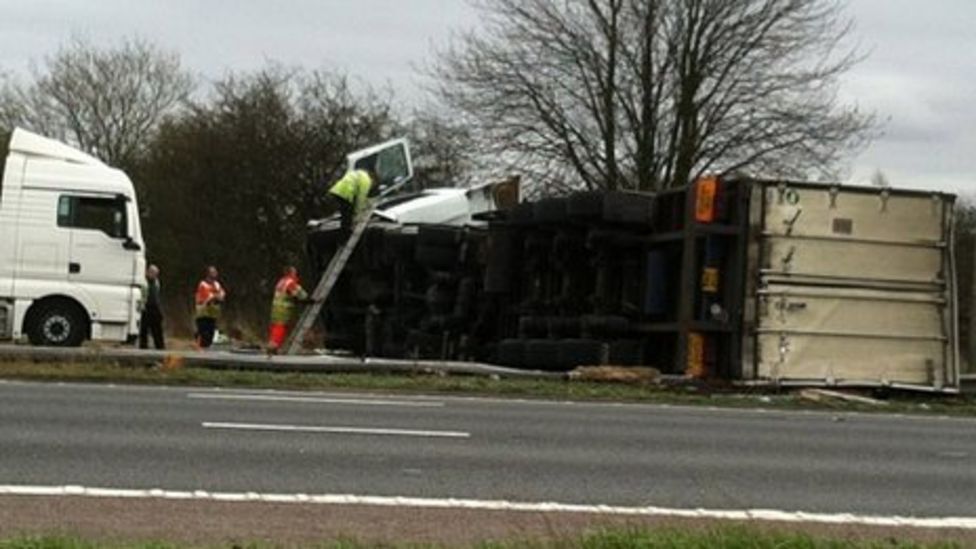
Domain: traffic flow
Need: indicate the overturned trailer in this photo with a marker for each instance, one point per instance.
(741, 279)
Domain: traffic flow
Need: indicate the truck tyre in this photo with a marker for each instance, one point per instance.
(625, 352)
(628, 208)
(424, 346)
(433, 236)
(605, 325)
(437, 257)
(57, 324)
(399, 245)
(533, 326)
(498, 280)
(511, 352)
(599, 239)
(474, 246)
(565, 326)
(542, 354)
(550, 210)
(535, 243)
(585, 205)
(580, 352)
(500, 247)
(522, 214)
(439, 300)
(500, 255)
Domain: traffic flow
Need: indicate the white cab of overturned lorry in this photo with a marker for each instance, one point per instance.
(71, 247)
(396, 209)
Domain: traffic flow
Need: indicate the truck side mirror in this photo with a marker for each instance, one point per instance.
(132, 245)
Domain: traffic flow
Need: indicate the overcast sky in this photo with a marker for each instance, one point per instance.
(920, 75)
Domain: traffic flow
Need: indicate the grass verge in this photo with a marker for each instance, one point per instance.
(721, 538)
(555, 389)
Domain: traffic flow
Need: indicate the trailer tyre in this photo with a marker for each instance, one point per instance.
(585, 205)
(57, 324)
(542, 354)
(533, 326)
(569, 327)
(605, 325)
(523, 214)
(500, 252)
(434, 236)
(437, 257)
(550, 210)
(399, 245)
(626, 352)
(511, 352)
(628, 208)
(580, 352)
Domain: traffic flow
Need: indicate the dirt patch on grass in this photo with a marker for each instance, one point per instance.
(200, 522)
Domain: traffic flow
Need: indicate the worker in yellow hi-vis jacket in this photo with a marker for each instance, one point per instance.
(351, 193)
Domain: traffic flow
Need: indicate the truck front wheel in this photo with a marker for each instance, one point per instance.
(56, 325)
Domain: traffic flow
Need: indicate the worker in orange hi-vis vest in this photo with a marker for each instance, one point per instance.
(288, 293)
(210, 297)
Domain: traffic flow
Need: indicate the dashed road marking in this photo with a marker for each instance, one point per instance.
(318, 400)
(334, 430)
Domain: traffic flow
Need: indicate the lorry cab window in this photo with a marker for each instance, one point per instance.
(100, 214)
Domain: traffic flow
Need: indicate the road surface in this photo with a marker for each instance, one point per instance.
(487, 449)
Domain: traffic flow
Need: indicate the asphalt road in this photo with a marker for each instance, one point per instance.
(219, 440)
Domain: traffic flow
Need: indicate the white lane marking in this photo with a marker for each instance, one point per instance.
(770, 515)
(333, 430)
(319, 400)
(650, 406)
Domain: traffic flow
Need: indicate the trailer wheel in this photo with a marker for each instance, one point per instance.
(497, 280)
(605, 325)
(500, 254)
(522, 214)
(437, 257)
(399, 245)
(434, 236)
(628, 208)
(569, 326)
(585, 205)
(533, 326)
(550, 210)
(580, 352)
(57, 324)
(542, 354)
(626, 352)
(511, 352)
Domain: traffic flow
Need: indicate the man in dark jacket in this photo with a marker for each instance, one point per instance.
(152, 314)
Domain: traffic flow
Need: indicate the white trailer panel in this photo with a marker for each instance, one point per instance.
(851, 286)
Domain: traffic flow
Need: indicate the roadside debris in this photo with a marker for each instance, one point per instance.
(172, 362)
(823, 395)
(618, 374)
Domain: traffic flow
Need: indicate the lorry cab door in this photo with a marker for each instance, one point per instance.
(101, 251)
(9, 210)
(390, 160)
(40, 248)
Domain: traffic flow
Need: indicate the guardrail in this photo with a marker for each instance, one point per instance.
(244, 359)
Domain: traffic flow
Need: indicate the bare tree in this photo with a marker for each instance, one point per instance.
(879, 179)
(646, 94)
(442, 149)
(106, 101)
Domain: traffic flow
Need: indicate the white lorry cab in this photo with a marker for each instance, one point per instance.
(71, 248)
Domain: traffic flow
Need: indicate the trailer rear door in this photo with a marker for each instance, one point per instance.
(854, 287)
